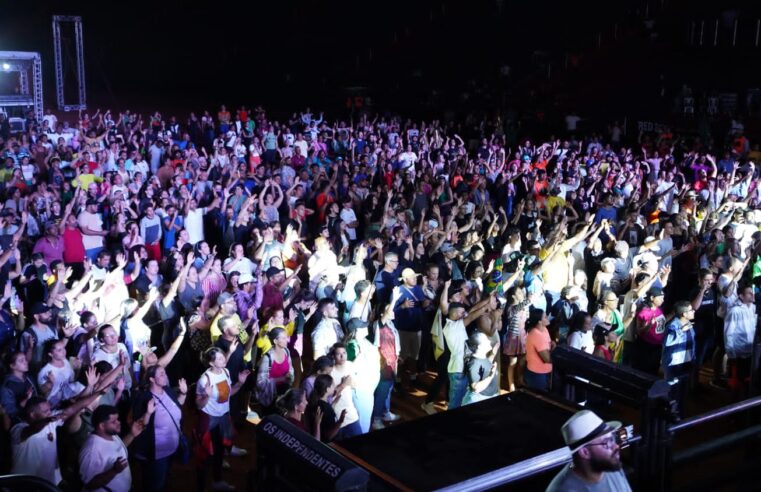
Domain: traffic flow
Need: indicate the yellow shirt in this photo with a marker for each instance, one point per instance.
(263, 342)
(6, 174)
(85, 180)
(552, 202)
(555, 275)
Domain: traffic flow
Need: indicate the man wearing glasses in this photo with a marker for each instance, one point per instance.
(596, 464)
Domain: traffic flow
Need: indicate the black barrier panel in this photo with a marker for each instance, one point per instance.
(445, 449)
(306, 464)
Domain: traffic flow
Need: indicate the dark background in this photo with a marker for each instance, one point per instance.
(415, 56)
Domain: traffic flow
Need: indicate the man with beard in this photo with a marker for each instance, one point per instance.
(596, 464)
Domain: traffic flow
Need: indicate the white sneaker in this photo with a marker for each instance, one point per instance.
(390, 417)
(238, 452)
(222, 486)
(429, 408)
(377, 425)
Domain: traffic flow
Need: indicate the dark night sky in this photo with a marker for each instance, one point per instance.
(288, 53)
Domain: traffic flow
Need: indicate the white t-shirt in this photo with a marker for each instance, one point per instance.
(243, 266)
(51, 119)
(38, 455)
(345, 402)
(113, 358)
(571, 121)
(63, 376)
(94, 223)
(367, 366)
(348, 216)
(408, 160)
(218, 403)
(194, 225)
(582, 340)
(456, 336)
(302, 144)
(98, 455)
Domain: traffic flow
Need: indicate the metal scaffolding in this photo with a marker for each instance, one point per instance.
(23, 62)
(79, 59)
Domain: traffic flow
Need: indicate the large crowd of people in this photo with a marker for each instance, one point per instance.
(314, 268)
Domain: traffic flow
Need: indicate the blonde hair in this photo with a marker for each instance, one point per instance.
(128, 307)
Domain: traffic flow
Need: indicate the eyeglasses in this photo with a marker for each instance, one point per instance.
(609, 443)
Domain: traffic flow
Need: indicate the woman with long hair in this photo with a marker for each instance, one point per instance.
(158, 443)
(343, 373)
(292, 406)
(214, 431)
(367, 365)
(275, 374)
(321, 365)
(214, 283)
(320, 414)
(386, 338)
(538, 348)
(515, 338)
(580, 332)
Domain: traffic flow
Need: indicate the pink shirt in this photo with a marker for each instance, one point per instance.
(655, 322)
(537, 340)
(50, 250)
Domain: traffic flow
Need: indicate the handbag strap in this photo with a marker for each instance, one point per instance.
(170, 413)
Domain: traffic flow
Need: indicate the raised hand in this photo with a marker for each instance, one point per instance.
(153, 294)
(243, 375)
(92, 376)
(233, 345)
(182, 385)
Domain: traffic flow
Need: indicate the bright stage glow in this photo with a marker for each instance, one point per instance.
(6, 66)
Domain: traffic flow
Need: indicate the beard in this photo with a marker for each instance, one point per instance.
(611, 463)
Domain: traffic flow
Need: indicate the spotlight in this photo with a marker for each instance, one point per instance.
(6, 66)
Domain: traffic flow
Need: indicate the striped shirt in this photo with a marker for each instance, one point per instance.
(679, 345)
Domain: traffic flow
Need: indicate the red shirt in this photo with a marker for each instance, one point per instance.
(387, 348)
(322, 199)
(73, 248)
(272, 298)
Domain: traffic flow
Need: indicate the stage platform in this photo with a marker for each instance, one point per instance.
(441, 451)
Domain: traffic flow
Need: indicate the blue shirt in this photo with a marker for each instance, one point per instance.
(170, 233)
(409, 319)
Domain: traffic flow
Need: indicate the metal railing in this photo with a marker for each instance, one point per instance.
(670, 459)
(27, 483)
